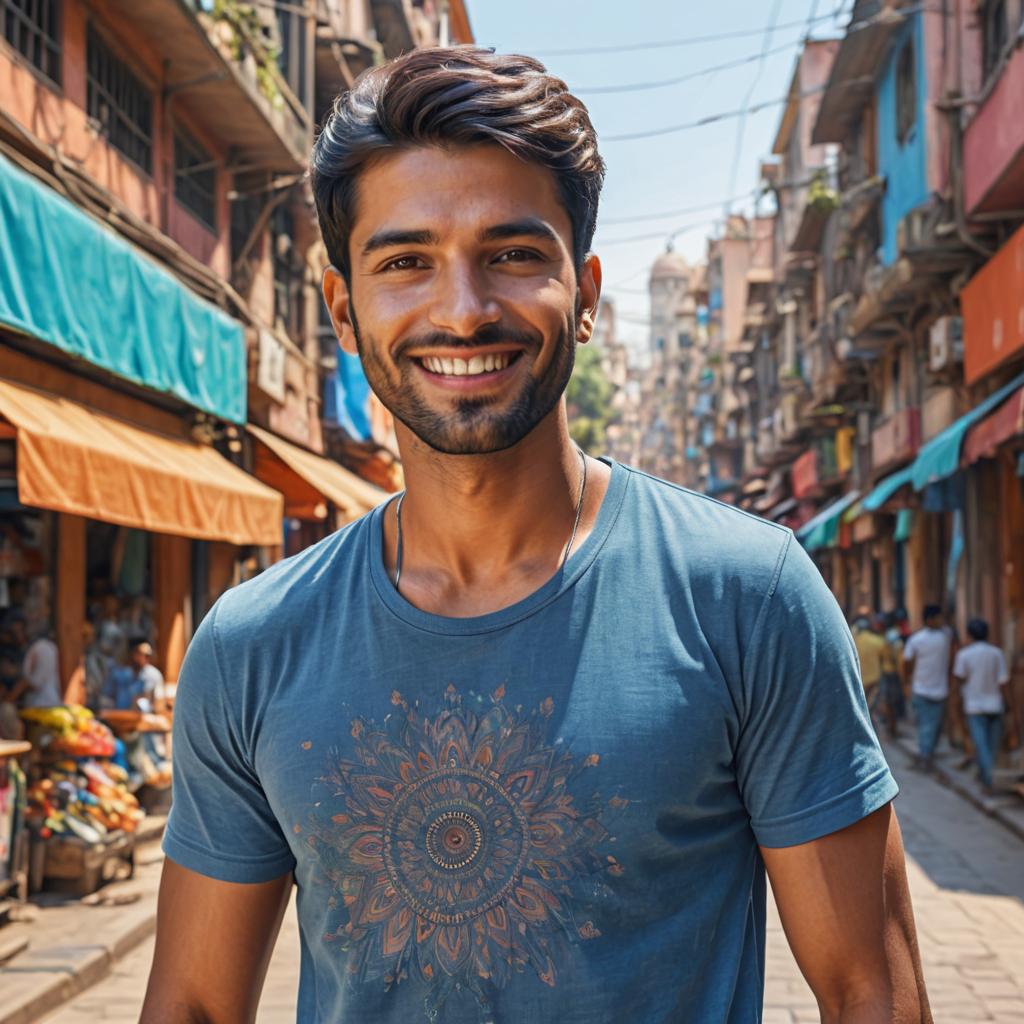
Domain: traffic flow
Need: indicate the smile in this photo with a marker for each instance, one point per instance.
(475, 366)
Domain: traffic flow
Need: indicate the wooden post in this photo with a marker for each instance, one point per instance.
(172, 586)
(69, 599)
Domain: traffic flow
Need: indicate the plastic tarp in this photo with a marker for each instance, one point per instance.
(347, 397)
(78, 460)
(81, 287)
(940, 457)
(350, 494)
(823, 529)
(886, 488)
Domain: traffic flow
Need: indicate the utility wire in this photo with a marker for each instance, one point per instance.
(661, 44)
(680, 212)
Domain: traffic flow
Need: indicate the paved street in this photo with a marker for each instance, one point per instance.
(968, 888)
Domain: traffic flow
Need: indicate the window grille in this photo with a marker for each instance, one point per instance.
(195, 179)
(119, 102)
(994, 36)
(288, 273)
(293, 59)
(33, 28)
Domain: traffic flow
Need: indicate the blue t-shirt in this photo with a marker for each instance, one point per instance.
(550, 813)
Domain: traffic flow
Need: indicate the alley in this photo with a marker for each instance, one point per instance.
(968, 894)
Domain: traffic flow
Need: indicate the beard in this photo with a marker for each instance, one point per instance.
(473, 426)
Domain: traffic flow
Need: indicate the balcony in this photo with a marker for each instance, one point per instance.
(994, 145)
(896, 439)
(219, 72)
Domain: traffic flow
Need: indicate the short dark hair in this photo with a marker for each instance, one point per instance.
(452, 96)
(977, 629)
(931, 611)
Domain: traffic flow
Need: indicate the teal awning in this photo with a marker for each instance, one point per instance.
(81, 287)
(886, 488)
(822, 530)
(940, 457)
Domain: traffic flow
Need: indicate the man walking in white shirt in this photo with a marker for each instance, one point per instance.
(981, 671)
(927, 656)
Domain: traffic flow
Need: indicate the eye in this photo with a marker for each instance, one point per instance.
(517, 256)
(403, 263)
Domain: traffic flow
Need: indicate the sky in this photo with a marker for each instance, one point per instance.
(699, 167)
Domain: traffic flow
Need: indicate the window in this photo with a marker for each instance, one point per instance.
(293, 59)
(906, 91)
(32, 27)
(993, 35)
(119, 102)
(195, 179)
(288, 272)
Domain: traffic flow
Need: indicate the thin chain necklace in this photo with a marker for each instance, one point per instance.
(568, 547)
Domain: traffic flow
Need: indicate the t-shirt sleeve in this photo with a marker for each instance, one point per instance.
(960, 664)
(221, 824)
(808, 762)
(910, 649)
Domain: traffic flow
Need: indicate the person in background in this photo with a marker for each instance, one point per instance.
(12, 683)
(41, 670)
(927, 656)
(890, 694)
(97, 666)
(981, 671)
(135, 686)
(896, 635)
(871, 652)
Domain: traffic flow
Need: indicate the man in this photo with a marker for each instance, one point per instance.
(981, 671)
(927, 656)
(526, 737)
(41, 671)
(135, 686)
(871, 651)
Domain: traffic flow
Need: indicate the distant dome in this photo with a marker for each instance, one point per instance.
(669, 265)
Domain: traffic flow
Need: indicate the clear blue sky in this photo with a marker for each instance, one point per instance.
(683, 170)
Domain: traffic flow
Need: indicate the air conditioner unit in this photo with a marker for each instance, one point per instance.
(946, 343)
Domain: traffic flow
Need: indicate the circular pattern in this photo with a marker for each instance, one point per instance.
(455, 844)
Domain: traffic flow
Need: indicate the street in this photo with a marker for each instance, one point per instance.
(968, 890)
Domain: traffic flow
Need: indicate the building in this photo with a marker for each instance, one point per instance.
(163, 358)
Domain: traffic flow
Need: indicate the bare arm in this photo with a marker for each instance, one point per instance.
(845, 908)
(213, 944)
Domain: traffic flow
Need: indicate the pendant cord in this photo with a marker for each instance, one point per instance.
(568, 548)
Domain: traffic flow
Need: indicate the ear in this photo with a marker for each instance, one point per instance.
(588, 297)
(339, 305)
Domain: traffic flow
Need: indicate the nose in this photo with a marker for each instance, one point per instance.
(463, 304)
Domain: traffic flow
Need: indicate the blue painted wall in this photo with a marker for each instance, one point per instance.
(903, 164)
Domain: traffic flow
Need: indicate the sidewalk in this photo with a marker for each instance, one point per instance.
(71, 945)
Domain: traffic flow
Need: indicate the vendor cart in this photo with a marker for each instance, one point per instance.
(14, 839)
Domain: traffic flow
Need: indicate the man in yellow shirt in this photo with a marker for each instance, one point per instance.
(874, 656)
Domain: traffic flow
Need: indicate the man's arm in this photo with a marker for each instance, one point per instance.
(213, 945)
(845, 907)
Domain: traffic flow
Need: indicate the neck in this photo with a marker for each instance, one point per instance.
(481, 531)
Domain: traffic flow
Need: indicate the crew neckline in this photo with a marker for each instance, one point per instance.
(563, 580)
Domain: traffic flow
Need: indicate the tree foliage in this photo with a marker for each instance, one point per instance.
(589, 400)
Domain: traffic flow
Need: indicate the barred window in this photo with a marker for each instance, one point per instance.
(289, 272)
(32, 27)
(906, 91)
(995, 35)
(119, 102)
(195, 179)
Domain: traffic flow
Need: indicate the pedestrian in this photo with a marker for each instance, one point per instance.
(871, 653)
(41, 671)
(528, 735)
(137, 685)
(896, 635)
(927, 656)
(980, 669)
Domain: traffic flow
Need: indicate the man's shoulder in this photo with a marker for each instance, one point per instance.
(292, 589)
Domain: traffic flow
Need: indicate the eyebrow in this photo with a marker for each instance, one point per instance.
(386, 239)
(528, 227)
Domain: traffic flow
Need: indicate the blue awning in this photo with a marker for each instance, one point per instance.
(886, 488)
(822, 530)
(69, 281)
(940, 457)
(347, 397)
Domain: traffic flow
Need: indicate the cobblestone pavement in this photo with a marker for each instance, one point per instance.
(968, 887)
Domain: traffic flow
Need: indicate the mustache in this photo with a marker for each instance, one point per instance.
(488, 334)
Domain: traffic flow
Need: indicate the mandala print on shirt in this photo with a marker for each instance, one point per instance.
(457, 848)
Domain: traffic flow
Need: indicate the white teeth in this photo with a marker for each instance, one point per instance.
(475, 365)
(461, 368)
(488, 363)
(446, 366)
(435, 365)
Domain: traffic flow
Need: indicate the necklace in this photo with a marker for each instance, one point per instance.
(568, 547)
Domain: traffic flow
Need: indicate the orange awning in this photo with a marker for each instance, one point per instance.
(75, 459)
(350, 494)
(987, 435)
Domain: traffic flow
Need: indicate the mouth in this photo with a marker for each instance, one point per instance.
(468, 371)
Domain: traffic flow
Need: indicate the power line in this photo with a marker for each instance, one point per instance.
(661, 44)
(689, 76)
(658, 234)
(680, 212)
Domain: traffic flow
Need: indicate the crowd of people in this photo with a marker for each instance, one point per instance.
(116, 671)
(964, 688)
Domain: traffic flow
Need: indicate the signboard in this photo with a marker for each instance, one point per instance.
(271, 369)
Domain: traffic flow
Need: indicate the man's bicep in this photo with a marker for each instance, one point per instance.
(845, 907)
(214, 941)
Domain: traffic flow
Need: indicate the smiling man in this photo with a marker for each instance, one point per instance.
(527, 737)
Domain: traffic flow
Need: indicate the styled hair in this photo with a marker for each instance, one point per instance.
(456, 96)
(931, 611)
(977, 629)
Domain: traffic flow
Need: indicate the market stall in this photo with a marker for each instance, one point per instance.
(13, 835)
